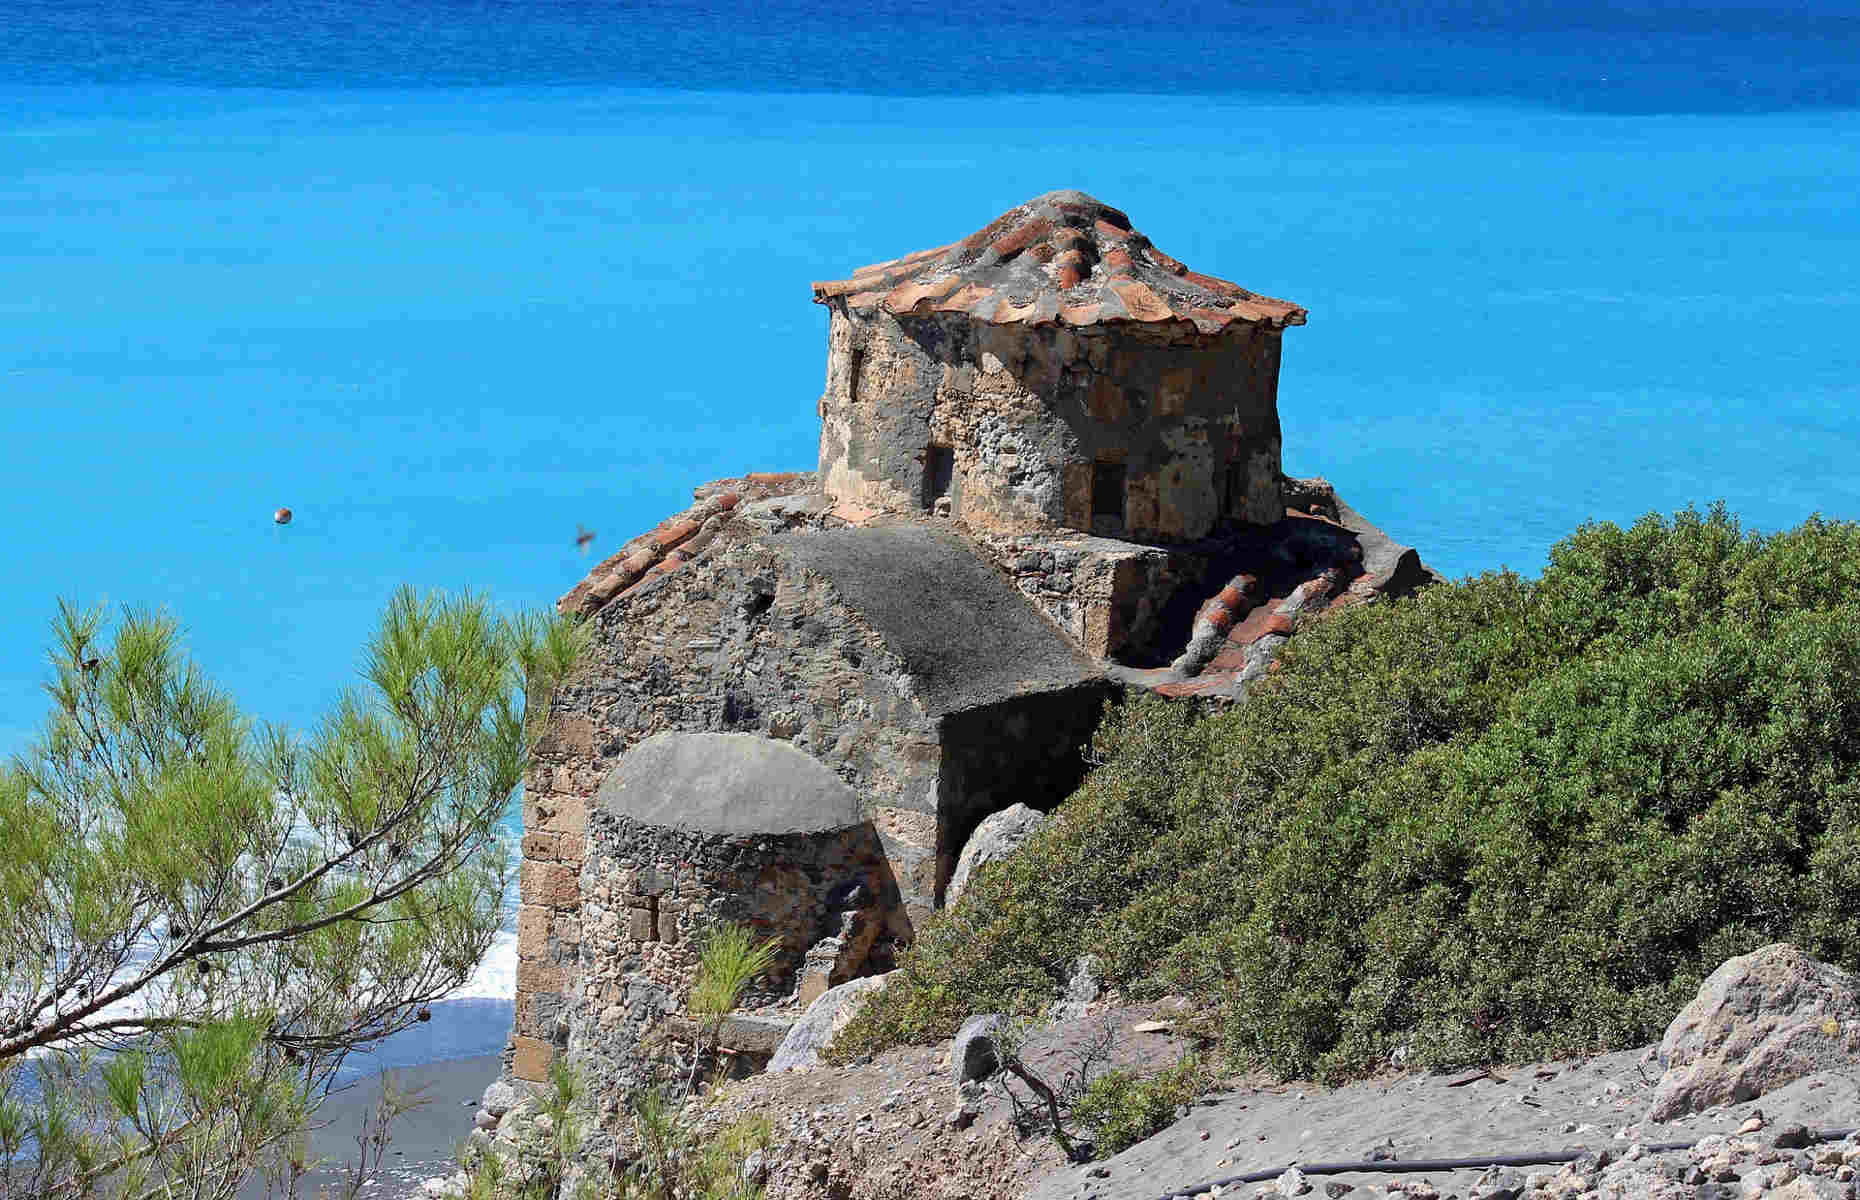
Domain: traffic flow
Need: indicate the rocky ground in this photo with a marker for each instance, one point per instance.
(900, 1128)
(1595, 1106)
(1754, 1091)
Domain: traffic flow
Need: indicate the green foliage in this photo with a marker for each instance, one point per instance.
(676, 1163)
(729, 962)
(1500, 820)
(669, 1159)
(1121, 1108)
(228, 909)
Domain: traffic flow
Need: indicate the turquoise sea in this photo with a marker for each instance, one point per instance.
(450, 278)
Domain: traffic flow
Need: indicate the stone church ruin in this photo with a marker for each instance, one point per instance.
(1049, 472)
(1054, 371)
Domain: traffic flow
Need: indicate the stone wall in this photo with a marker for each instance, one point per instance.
(866, 650)
(1111, 597)
(738, 640)
(650, 895)
(1031, 412)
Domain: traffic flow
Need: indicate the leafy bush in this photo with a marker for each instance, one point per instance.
(1500, 820)
(1121, 1108)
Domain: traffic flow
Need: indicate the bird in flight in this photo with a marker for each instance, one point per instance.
(282, 516)
(583, 537)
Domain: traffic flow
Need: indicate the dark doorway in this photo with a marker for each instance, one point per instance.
(1107, 491)
(1233, 490)
(939, 473)
(1028, 750)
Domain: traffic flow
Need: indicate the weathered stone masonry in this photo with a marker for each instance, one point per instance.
(1049, 468)
(852, 646)
(1054, 371)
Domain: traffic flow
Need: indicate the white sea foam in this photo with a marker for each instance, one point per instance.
(496, 976)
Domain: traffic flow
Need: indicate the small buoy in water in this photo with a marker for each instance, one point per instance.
(282, 516)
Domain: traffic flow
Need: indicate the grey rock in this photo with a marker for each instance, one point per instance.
(800, 1048)
(1337, 1187)
(1086, 983)
(1791, 1137)
(518, 1112)
(994, 839)
(1497, 1183)
(961, 1116)
(1812, 1187)
(501, 1097)
(972, 1052)
(1292, 1182)
(1760, 1021)
(477, 1144)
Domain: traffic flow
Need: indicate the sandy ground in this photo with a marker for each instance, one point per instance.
(1594, 1103)
(425, 1141)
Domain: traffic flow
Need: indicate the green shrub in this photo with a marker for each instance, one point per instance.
(1500, 820)
(1121, 1108)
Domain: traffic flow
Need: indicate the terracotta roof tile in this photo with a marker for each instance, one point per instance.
(1213, 683)
(966, 298)
(675, 533)
(1232, 657)
(677, 540)
(1013, 243)
(1142, 304)
(1012, 270)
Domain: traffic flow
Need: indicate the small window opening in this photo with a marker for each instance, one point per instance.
(1233, 490)
(1107, 491)
(856, 365)
(939, 473)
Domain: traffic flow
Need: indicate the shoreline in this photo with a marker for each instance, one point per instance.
(423, 1142)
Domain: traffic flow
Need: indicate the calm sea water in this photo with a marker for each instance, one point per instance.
(452, 277)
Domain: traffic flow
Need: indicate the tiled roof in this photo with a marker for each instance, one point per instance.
(677, 540)
(1240, 621)
(1061, 257)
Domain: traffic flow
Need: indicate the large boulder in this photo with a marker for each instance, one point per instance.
(1760, 1021)
(995, 838)
(973, 1052)
(826, 1016)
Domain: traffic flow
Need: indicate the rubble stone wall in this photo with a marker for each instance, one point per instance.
(651, 893)
(1030, 412)
(739, 640)
(1111, 597)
